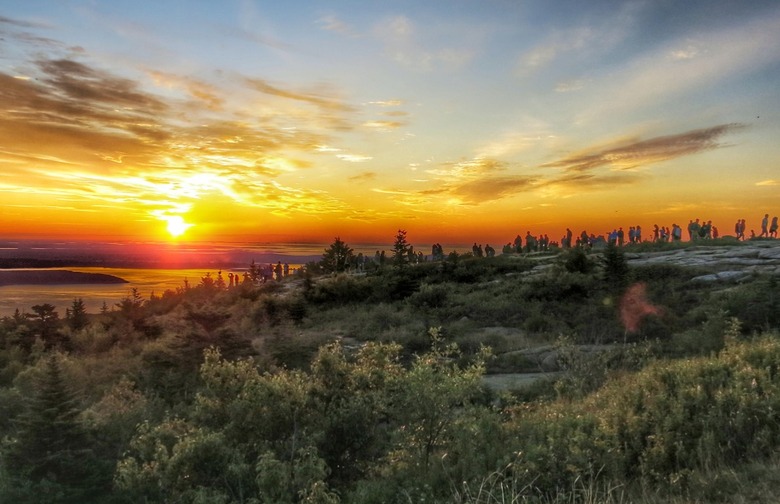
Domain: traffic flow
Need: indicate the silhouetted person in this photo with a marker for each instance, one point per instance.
(764, 226)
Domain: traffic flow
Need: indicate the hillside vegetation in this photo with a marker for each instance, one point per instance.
(370, 386)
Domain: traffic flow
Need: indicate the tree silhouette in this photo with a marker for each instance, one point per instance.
(401, 249)
(77, 318)
(337, 257)
(46, 321)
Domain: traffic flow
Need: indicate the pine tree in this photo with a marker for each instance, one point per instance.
(50, 455)
(337, 257)
(401, 249)
(78, 315)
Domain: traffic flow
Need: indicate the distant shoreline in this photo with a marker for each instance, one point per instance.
(55, 277)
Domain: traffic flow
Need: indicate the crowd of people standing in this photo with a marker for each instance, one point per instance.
(697, 229)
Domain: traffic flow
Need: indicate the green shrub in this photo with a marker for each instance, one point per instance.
(340, 289)
(756, 305)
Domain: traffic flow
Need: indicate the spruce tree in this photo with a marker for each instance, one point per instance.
(50, 458)
(401, 249)
(337, 257)
(78, 315)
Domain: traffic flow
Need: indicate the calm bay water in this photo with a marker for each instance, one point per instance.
(147, 281)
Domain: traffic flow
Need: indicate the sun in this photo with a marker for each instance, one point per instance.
(177, 226)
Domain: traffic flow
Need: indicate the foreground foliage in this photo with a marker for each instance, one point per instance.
(369, 388)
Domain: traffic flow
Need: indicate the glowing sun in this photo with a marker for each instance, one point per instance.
(177, 226)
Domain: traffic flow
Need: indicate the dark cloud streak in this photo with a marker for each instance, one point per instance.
(645, 152)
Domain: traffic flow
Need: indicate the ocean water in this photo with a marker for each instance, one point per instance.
(146, 281)
(149, 280)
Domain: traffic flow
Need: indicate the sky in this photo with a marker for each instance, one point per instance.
(457, 121)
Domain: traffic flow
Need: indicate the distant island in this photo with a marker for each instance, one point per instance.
(55, 277)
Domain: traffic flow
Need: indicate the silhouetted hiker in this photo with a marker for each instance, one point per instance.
(676, 232)
(696, 230)
(773, 227)
(518, 244)
(278, 271)
(764, 226)
(530, 242)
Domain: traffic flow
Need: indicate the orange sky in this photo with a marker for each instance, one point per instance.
(456, 121)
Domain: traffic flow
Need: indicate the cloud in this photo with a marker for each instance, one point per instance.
(354, 158)
(334, 24)
(382, 125)
(20, 23)
(404, 44)
(198, 90)
(684, 66)
(476, 181)
(640, 153)
(387, 103)
(582, 40)
(81, 84)
(578, 182)
(569, 86)
(74, 131)
(363, 177)
(559, 42)
(493, 188)
(313, 98)
(769, 183)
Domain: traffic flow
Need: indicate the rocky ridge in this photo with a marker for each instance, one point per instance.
(726, 263)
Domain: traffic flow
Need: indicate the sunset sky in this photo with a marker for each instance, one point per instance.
(457, 121)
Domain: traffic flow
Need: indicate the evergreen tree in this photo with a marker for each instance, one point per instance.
(49, 459)
(337, 257)
(78, 315)
(46, 321)
(401, 249)
(615, 268)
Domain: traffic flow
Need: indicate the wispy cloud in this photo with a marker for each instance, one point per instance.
(404, 45)
(354, 158)
(335, 24)
(382, 125)
(768, 183)
(493, 188)
(644, 152)
(75, 130)
(363, 177)
(686, 66)
(584, 39)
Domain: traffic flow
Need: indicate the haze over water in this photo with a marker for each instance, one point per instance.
(153, 276)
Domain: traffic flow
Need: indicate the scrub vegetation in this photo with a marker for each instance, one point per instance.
(372, 386)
